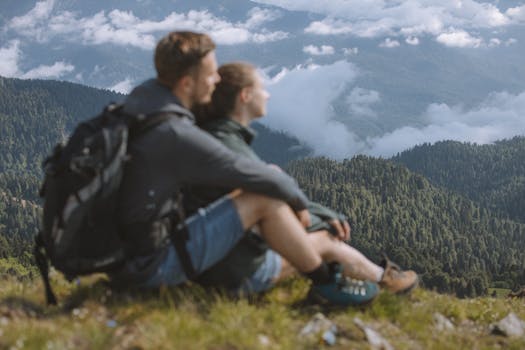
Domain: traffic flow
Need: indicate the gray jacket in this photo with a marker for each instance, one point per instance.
(177, 153)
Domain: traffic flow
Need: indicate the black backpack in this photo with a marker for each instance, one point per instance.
(79, 233)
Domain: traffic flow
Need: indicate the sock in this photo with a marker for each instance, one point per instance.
(380, 274)
(319, 275)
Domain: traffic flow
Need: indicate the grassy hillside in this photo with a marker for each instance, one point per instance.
(93, 317)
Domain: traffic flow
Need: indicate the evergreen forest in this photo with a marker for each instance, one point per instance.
(454, 212)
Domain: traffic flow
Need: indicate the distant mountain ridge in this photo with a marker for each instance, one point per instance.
(491, 175)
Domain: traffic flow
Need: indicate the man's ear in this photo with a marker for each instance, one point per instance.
(184, 86)
(184, 90)
(187, 84)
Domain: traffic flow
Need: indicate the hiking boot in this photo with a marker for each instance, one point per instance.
(396, 280)
(344, 291)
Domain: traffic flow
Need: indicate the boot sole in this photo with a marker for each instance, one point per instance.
(315, 298)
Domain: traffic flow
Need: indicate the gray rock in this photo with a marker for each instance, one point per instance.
(264, 340)
(320, 328)
(442, 323)
(510, 326)
(376, 341)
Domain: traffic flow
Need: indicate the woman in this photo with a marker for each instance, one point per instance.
(239, 99)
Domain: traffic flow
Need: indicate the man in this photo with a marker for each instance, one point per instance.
(176, 152)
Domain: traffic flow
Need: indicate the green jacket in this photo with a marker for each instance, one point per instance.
(249, 254)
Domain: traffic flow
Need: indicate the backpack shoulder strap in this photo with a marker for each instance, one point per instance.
(43, 267)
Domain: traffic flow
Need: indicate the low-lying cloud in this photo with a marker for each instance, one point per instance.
(55, 70)
(124, 87)
(501, 116)
(360, 101)
(120, 27)
(309, 114)
(301, 105)
(10, 56)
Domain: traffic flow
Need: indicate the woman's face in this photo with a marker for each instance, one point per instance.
(258, 97)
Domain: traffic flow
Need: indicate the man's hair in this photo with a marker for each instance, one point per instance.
(179, 53)
(235, 76)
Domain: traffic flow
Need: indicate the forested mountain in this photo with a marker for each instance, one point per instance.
(277, 147)
(491, 175)
(455, 244)
(34, 116)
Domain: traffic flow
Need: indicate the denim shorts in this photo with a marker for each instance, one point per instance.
(265, 276)
(213, 232)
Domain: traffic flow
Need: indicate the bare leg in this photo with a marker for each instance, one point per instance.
(280, 228)
(355, 264)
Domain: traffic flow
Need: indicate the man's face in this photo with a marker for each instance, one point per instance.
(204, 79)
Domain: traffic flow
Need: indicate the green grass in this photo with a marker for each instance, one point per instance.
(500, 292)
(90, 316)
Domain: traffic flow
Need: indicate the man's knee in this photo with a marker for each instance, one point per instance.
(252, 207)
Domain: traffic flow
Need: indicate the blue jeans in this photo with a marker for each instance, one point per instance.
(213, 232)
(265, 276)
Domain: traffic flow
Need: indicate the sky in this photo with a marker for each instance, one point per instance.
(319, 95)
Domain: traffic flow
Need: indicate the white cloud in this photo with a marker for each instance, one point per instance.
(412, 40)
(499, 117)
(123, 87)
(258, 16)
(124, 28)
(459, 38)
(360, 100)
(9, 57)
(329, 26)
(516, 13)
(389, 43)
(308, 113)
(29, 23)
(350, 51)
(260, 38)
(493, 42)
(511, 41)
(54, 71)
(409, 18)
(319, 50)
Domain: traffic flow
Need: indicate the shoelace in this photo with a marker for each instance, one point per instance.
(352, 286)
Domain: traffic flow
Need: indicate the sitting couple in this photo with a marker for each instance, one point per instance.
(245, 240)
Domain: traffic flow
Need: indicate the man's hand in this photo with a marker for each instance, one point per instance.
(304, 217)
(342, 228)
(276, 167)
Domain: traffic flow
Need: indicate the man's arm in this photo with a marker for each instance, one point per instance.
(205, 161)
